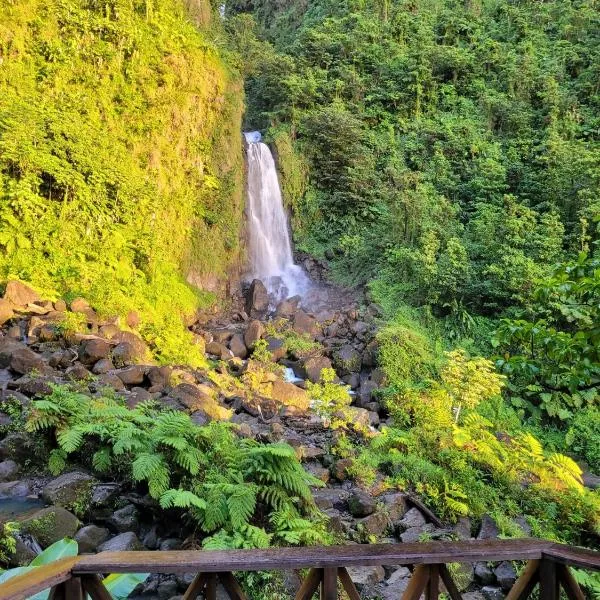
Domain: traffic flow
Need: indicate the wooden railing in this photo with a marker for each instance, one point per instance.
(547, 567)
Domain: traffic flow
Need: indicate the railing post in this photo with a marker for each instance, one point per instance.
(432, 591)
(329, 584)
(549, 589)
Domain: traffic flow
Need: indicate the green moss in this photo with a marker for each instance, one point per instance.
(120, 149)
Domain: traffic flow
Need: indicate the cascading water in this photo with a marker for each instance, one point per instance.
(269, 242)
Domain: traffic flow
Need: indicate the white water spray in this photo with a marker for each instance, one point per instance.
(269, 242)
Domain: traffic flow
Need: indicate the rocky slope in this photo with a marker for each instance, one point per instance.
(38, 349)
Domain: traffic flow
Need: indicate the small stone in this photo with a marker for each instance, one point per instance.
(170, 544)
(80, 305)
(290, 395)
(506, 575)
(90, 537)
(331, 498)
(492, 593)
(78, 372)
(361, 504)
(253, 333)
(395, 506)
(462, 529)
(60, 306)
(104, 365)
(122, 543)
(124, 519)
(219, 350)
(287, 308)
(132, 319)
(413, 518)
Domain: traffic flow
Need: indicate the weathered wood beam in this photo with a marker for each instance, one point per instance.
(348, 584)
(329, 584)
(310, 585)
(93, 586)
(568, 583)
(197, 585)
(524, 585)
(417, 584)
(232, 587)
(549, 589)
(449, 583)
(432, 590)
(210, 592)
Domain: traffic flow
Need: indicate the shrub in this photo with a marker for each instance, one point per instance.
(583, 436)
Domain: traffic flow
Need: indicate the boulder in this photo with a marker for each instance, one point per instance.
(135, 351)
(104, 365)
(304, 324)
(159, 377)
(257, 300)
(6, 311)
(462, 529)
(375, 524)
(259, 406)
(90, 537)
(9, 469)
(17, 446)
(253, 333)
(347, 360)
(290, 395)
(14, 489)
(20, 295)
(78, 372)
(287, 308)
(415, 534)
(124, 519)
(506, 575)
(331, 498)
(49, 525)
(313, 367)
(237, 346)
(122, 543)
(277, 348)
(413, 518)
(339, 469)
(23, 361)
(69, 490)
(366, 576)
(489, 530)
(395, 506)
(133, 375)
(219, 350)
(91, 351)
(197, 400)
(222, 336)
(361, 504)
(483, 574)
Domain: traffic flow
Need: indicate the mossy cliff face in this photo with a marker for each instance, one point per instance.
(120, 156)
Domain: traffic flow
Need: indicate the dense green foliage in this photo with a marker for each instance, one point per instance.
(112, 117)
(240, 493)
(447, 152)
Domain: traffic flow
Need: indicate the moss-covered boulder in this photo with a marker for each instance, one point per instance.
(51, 524)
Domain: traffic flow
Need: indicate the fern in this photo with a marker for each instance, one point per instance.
(181, 499)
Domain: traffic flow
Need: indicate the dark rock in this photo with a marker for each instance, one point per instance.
(166, 589)
(462, 529)
(489, 529)
(413, 518)
(506, 575)
(314, 365)
(20, 295)
(123, 354)
(105, 494)
(237, 346)
(124, 519)
(253, 333)
(483, 574)
(361, 504)
(170, 544)
(159, 377)
(63, 358)
(9, 469)
(122, 543)
(340, 468)
(259, 406)
(151, 539)
(287, 308)
(492, 593)
(133, 375)
(199, 418)
(23, 361)
(304, 324)
(17, 446)
(14, 489)
(523, 525)
(219, 350)
(26, 549)
(331, 498)
(395, 506)
(49, 525)
(222, 336)
(104, 365)
(78, 372)
(347, 360)
(134, 349)
(90, 537)
(375, 524)
(33, 385)
(415, 534)
(257, 301)
(69, 489)
(111, 380)
(277, 348)
(91, 351)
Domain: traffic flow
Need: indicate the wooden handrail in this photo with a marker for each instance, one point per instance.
(73, 578)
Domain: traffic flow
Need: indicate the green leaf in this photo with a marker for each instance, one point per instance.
(120, 585)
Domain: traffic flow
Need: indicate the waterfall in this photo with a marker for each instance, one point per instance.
(269, 244)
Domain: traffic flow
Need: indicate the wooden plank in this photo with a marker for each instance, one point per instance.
(449, 583)
(524, 585)
(432, 590)
(571, 587)
(211, 587)
(73, 589)
(93, 586)
(181, 561)
(309, 585)
(573, 556)
(329, 584)
(549, 589)
(417, 584)
(28, 584)
(197, 585)
(348, 584)
(232, 587)
(57, 592)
